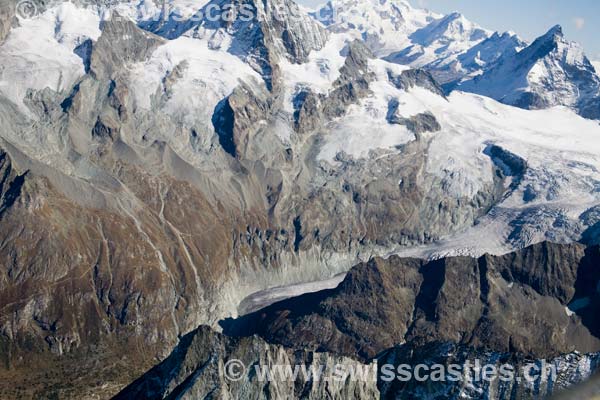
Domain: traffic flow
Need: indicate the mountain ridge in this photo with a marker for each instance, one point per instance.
(152, 183)
(344, 321)
(550, 72)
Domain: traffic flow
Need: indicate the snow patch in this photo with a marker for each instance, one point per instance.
(321, 69)
(207, 76)
(39, 53)
(365, 126)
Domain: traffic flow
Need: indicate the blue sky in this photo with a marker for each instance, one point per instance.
(580, 19)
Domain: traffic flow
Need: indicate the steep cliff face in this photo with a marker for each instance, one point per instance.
(196, 370)
(538, 302)
(529, 309)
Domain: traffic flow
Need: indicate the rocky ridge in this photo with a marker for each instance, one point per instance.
(154, 175)
(483, 302)
(522, 308)
(196, 368)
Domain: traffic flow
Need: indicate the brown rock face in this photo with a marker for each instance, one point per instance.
(195, 371)
(90, 285)
(539, 302)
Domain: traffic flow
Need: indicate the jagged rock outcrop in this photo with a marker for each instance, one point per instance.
(415, 77)
(237, 118)
(420, 123)
(544, 378)
(195, 370)
(353, 82)
(11, 182)
(538, 302)
(312, 110)
(134, 45)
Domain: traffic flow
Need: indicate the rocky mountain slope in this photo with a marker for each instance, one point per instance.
(551, 71)
(195, 371)
(538, 303)
(157, 168)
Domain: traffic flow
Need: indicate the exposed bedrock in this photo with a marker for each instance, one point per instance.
(525, 308)
(123, 228)
(555, 374)
(7, 18)
(195, 371)
(539, 302)
(415, 77)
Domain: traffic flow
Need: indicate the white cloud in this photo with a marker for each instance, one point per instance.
(579, 22)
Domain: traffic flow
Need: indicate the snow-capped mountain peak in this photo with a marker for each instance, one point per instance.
(551, 71)
(385, 25)
(486, 53)
(447, 45)
(453, 28)
(546, 44)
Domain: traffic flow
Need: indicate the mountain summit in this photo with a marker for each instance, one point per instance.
(551, 71)
(450, 46)
(384, 25)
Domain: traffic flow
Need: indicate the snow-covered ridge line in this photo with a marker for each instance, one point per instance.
(551, 71)
(459, 53)
(450, 46)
